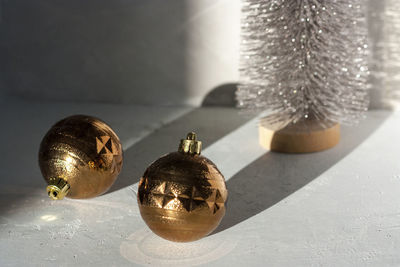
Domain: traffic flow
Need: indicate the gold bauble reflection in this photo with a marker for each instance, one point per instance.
(182, 195)
(80, 157)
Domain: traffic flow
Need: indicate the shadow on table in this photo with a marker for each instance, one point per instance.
(210, 124)
(215, 119)
(274, 176)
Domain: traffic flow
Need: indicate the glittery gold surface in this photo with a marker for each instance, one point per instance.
(182, 197)
(83, 151)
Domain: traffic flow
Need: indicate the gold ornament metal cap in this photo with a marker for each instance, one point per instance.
(58, 188)
(190, 145)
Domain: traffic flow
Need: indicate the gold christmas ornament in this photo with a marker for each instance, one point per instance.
(80, 157)
(182, 195)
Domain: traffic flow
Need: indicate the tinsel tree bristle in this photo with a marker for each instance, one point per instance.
(304, 59)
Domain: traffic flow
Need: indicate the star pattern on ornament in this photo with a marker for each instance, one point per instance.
(162, 195)
(191, 200)
(166, 195)
(215, 201)
(105, 146)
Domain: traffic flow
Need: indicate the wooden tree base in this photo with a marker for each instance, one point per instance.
(303, 137)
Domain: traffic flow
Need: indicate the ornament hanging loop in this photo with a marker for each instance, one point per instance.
(190, 145)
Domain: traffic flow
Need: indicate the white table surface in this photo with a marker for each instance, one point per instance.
(339, 207)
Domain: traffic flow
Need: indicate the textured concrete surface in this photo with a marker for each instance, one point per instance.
(334, 208)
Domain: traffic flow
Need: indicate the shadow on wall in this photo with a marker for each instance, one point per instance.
(106, 51)
(274, 176)
(221, 96)
(168, 52)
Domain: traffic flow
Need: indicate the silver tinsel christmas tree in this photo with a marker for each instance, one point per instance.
(304, 59)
